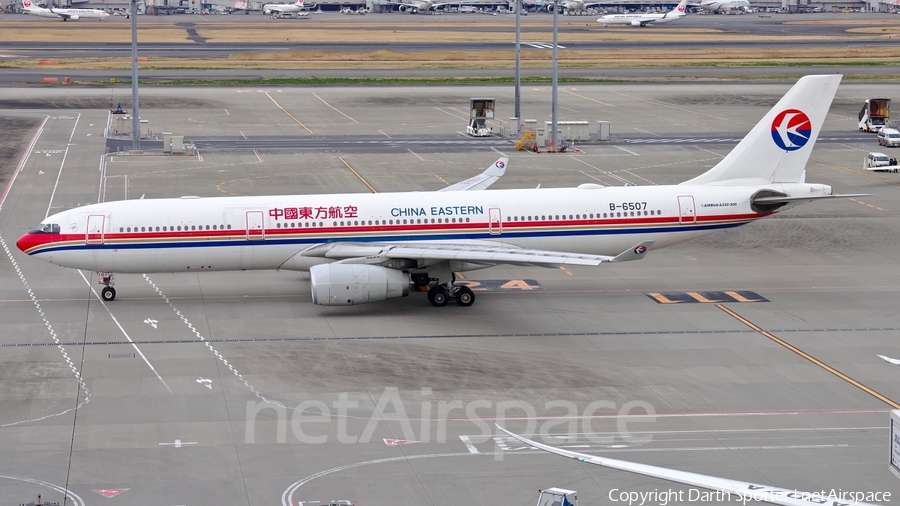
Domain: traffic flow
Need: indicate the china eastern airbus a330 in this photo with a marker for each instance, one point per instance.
(361, 248)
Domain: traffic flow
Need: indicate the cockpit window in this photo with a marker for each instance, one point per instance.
(46, 228)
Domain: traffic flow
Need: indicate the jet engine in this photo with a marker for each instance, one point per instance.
(74, 17)
(635, 23)
(348, 284)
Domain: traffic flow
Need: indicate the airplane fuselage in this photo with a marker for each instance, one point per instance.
(244, 233)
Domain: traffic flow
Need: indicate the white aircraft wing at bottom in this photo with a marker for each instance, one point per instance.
(474, 252)
(743, 491)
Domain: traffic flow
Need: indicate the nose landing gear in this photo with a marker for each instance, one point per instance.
(108, 293)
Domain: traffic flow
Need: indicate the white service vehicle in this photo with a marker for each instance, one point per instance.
(889, 137)
(880, 162)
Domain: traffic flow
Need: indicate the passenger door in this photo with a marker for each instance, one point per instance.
(494, 219)
(687, 214)
(255, 226)
(94, 233)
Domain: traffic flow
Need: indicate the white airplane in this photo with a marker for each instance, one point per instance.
(645, 18)
(725, 5)
(295, 7)
(426, 6)
(740, 491)
(362, 248)
(65, 14)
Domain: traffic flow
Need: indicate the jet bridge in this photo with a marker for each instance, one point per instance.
(480, 110)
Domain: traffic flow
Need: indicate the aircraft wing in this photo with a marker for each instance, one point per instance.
(481, 181)
(744, 491)
(477, 252)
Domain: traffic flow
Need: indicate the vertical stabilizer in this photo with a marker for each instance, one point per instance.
(778, 147)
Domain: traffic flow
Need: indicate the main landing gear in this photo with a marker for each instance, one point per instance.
(439, 295)
(108, 293)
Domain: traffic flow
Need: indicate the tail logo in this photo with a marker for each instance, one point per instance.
(26, 3)
(680, 8)
(640, 250)
(791, 129)
(499, 164)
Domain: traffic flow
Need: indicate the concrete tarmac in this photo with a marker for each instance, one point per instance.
(233, 388)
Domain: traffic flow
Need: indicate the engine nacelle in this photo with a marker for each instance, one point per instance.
(349, 284)
(74, 17)
(635, 23)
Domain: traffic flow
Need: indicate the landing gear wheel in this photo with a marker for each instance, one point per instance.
(464, 296)
(421, 279)
(108, 294)
(438, 296)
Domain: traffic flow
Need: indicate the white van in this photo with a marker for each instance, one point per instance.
(880, 162)
(889, 137)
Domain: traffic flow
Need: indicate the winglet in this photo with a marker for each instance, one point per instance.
(635, 253)
(483, 180)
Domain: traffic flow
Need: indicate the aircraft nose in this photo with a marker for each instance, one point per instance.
(25, 242)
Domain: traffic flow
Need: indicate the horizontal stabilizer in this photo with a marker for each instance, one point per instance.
(805, 198)
(745, 491)
(635, 253)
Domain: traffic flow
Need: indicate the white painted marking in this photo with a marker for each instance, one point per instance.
(208, 345)
(75, 126)
(40, 173)
(67, 493)
(58, 176)
(242, 135)
(151, 322)
(384, 134)
(87, 393)
(463, 118)
(627, 150)
(133, 344)
(415, 154)
(468, 442)
(178, 443)
(287, 497)
(205, 382)
(257, 156)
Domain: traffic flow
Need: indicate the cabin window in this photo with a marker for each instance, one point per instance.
(557, 216)
(370, 222)
(229, 227)
(604, 215)
(467, 220)
(439, 220)
(121, 229)
(278, 225)
(570, 216)
(404, 222)
(129, 229)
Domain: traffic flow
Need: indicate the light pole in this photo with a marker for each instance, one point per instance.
(555, 96)
(135, 113)
(518, 110)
